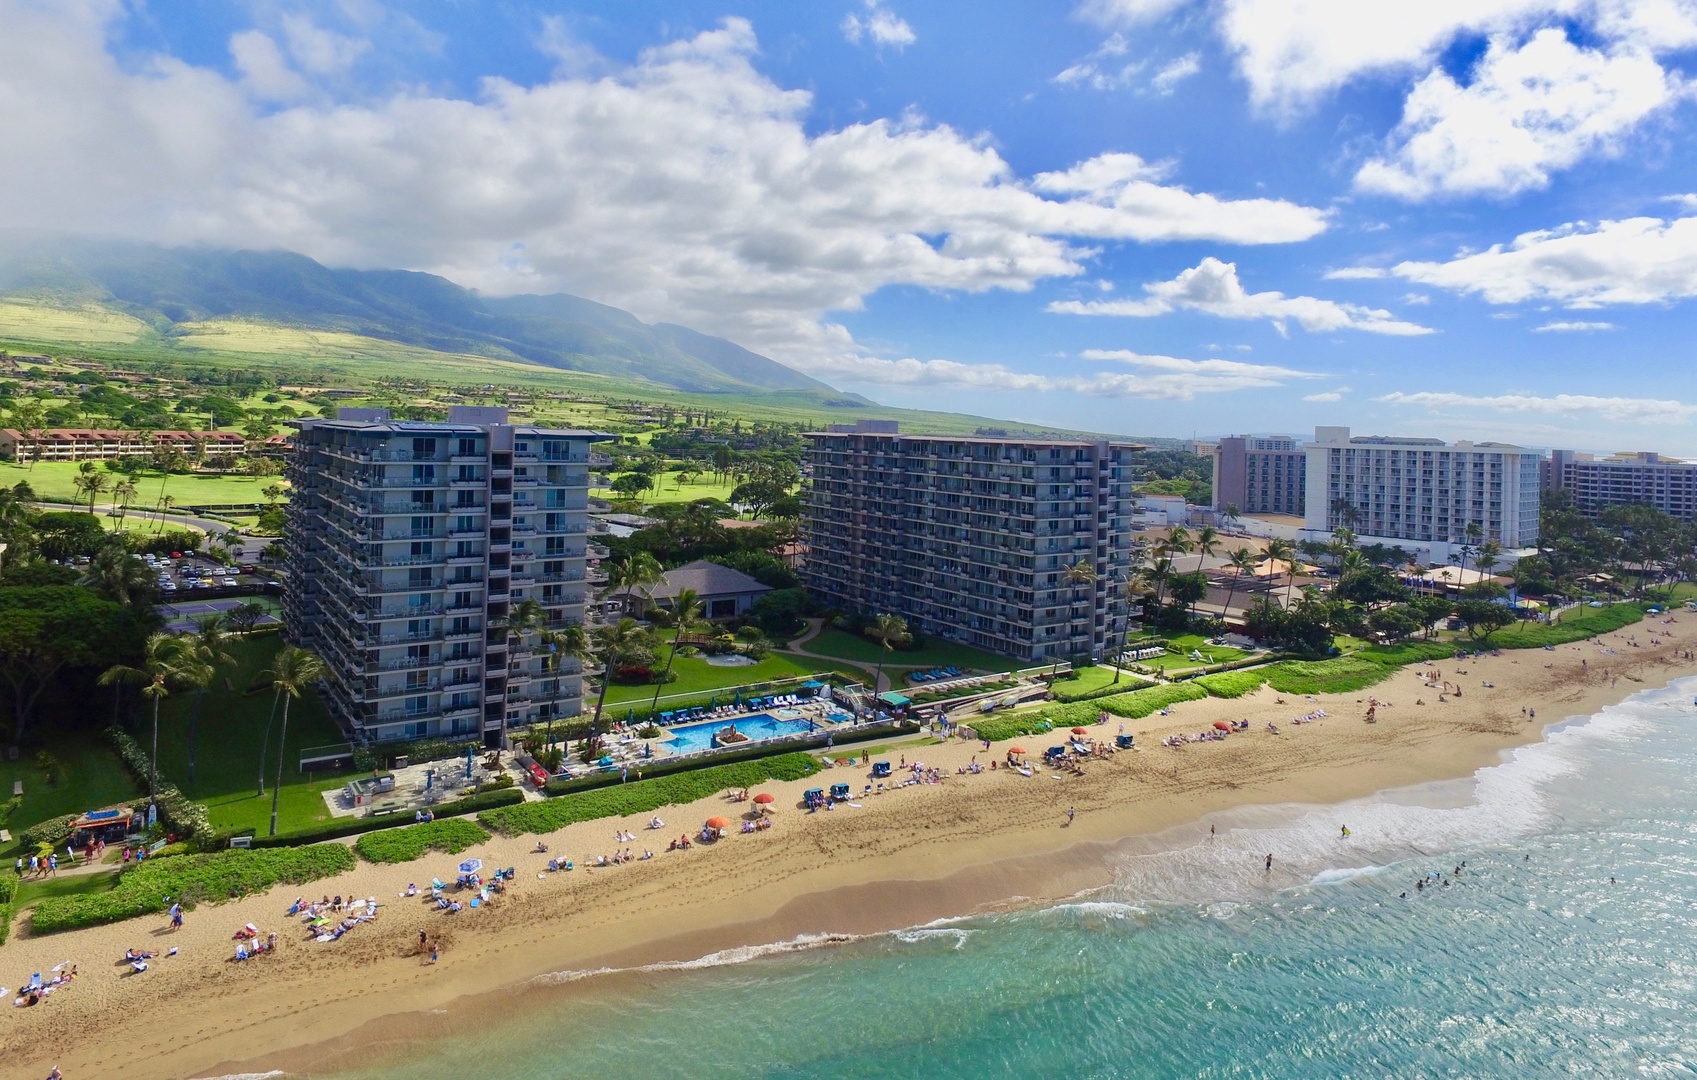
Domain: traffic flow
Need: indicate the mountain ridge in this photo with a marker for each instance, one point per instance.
(168, 288)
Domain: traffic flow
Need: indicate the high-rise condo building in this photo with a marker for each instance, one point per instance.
(971, 539)
(408, 546)
(1641, 477)
(1260, 474)
(1423, 490)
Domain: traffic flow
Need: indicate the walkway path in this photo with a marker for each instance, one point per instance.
(814, 628)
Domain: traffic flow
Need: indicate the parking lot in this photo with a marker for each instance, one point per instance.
(176, 574)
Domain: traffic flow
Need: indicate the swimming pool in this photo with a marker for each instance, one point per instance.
(693, 737)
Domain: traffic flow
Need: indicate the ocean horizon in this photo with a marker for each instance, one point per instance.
(1535, 918)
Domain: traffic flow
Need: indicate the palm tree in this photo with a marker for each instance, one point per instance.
(634, 574)
(1282, 550)
(527, 617)
(90, 483)
(1229, 515)
(1488, 555)
(889, 631)
(1083, 572)
(124, 491)
(206, 644)
(118, 574)
(1134, 580)
(293, 670)
(561, 643)
(614, 642)
(686, 613)
(1242, 560)
(1207, 542)
(167, 663)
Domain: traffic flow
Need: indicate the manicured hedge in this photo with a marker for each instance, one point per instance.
(153, 885)
(354, 826)
(450, 835)
(177, 812)
(1339, 675)
(8, 889)
(1409, 652)
(643, 796)
(1233, 684)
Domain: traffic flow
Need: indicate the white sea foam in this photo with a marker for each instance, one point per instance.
(1499, 803)
(1101, 909)
(919, 935)
(741, 954)
(248, 1076)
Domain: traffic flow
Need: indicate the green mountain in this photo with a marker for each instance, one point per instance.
(186, 295)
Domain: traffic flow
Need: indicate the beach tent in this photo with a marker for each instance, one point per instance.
(893, 698)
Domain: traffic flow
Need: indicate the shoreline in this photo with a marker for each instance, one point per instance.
(906, 858)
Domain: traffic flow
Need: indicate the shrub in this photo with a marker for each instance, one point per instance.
(177, 811)
(152, 886)
(1232, 684)
(1125, 685)
(450, 835)
(1576, 627)
(53, 832)
(644, 796)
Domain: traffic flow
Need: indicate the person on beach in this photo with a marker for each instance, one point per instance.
(176, 916)
(1269, 861)
(1070, 813)
(1345, 834)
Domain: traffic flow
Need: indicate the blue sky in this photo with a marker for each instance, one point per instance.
(1152, 217)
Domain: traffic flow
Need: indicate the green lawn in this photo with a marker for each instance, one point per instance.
(232, 723)
(53, 480)
(92, 777)
(695, 676)
(1090, 679)
(669, 491)
(1177, 663)
(34, 891)
(864, 650)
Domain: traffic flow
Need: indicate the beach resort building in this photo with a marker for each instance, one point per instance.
(1421, 494)
(1640, 477)
(724, 592)
(99, 444)
(971, 539)
(1260, 474)
(409, 543)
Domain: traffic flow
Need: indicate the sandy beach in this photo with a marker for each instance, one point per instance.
(904, 857)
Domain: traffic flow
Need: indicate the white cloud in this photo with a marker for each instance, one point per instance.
(1619, 409)
(685, 186)
(1212, 287)
(1160, 378)
(880, 26)
(319, 51)
(1176, 72)
(1572, 327)
(1580, 265)
(1126, 12)
(265, 73)
(1416, 298)
(1327, 397)
(1292, 52)
(1530, 109)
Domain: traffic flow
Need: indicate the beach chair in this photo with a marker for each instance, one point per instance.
(840, 792)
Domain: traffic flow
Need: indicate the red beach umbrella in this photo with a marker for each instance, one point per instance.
(1079, 731)
(765, 797)
(1016, 749)
(718, 823)
(1221, 725)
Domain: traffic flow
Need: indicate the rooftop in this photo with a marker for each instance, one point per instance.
(707, 579)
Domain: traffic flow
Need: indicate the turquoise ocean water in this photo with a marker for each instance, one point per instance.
(1197, 963)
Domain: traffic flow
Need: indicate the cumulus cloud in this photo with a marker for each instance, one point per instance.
(1572, 327)
(320, 51)
(1212, 287)
(685, 186)
(1158, 378)
(1622, 409)
(265, 72)
(1126, 12)
(880, 26)
(1580, 265)
(1529, 109)
(1326, 397)
(1176, 72)
(1292, 52)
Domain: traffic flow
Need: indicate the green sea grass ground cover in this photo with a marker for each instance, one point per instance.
(644, 796)
(448, 835)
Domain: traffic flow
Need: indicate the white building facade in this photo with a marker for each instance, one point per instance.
(1422, 494)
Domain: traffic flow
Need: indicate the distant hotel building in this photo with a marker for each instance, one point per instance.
(968, 539)
(1422, 490)
(409, 544)
(1643, 478)
(99, 444)
(1260, 474)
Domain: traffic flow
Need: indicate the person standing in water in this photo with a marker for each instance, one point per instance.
(1269, 861)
